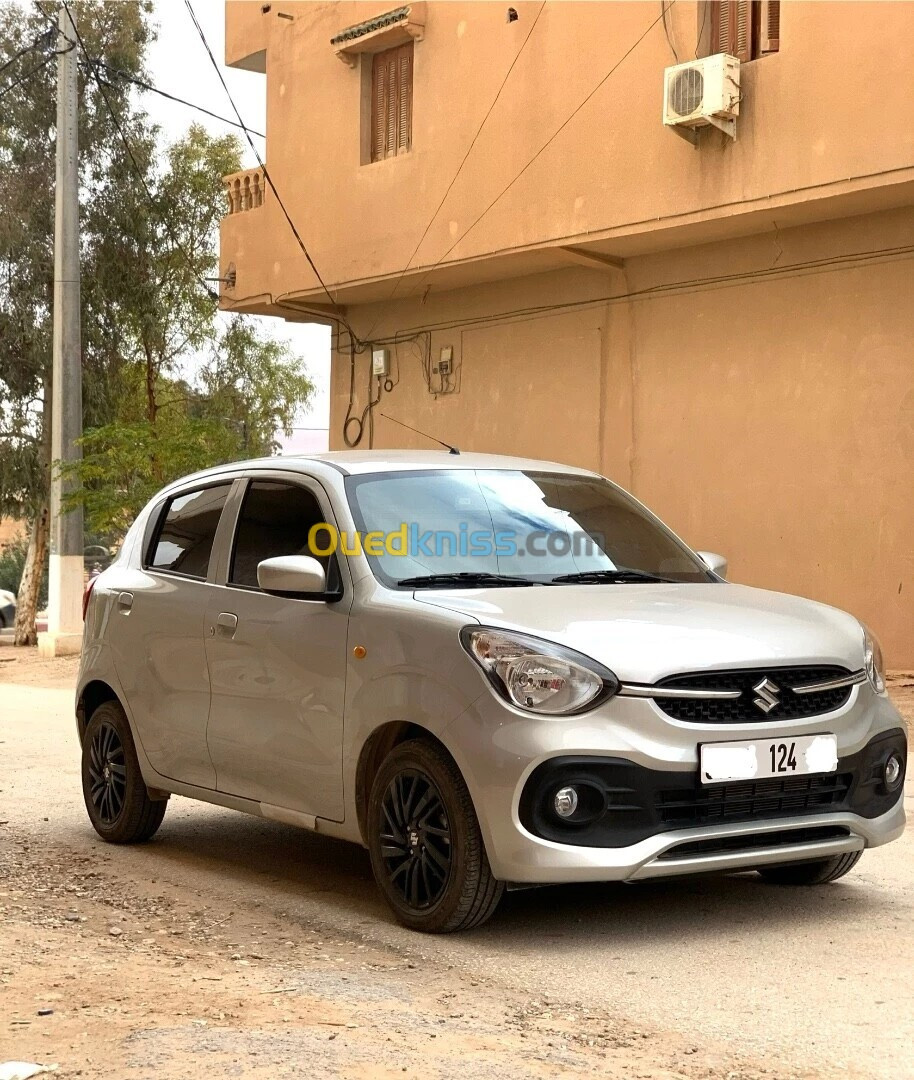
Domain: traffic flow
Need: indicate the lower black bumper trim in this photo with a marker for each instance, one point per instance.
(622, 803)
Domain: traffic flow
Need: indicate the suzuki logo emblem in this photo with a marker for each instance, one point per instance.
(767, 695)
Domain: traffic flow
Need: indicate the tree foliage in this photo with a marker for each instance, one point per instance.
(244, 391)
(195, 389)
(169, 385)
(119, 33)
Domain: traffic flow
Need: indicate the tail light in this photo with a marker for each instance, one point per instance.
(87, 592)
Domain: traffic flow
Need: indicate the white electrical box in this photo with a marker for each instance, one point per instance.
(446, 360)
(380, 363)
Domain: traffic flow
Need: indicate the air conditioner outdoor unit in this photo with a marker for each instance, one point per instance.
(702, 92)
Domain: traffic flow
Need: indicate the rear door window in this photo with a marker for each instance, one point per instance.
(184, 541)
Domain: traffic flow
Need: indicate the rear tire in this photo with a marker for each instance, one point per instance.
(426, 848)
(819, 872)
(116, 798)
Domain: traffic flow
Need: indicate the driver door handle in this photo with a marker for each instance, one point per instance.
(124, 602)
(226, 624)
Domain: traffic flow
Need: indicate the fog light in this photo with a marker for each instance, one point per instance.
(565, 802)
(891, 772)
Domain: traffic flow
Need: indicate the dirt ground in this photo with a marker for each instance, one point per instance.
(111, 968)
(115, 979)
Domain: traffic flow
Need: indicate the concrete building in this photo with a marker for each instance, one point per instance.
(725, 327)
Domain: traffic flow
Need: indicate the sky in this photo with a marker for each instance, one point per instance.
(178, 63)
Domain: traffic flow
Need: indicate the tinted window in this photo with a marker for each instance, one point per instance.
(275, 520)
(185, 540)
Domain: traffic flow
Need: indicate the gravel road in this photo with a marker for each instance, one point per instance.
(235, 946)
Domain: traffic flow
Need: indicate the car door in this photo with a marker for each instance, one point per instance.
(278, 664)
(157, 633)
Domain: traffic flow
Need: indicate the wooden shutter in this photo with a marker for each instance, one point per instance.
(731, 28)
(405, 103)
(378, 110)
(391, 102)
(770, 26)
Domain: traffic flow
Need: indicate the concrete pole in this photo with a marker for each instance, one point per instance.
(64, 634)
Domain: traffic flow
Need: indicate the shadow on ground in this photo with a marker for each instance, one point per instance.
(235, 852)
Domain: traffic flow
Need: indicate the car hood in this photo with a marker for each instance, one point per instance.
(644, 632)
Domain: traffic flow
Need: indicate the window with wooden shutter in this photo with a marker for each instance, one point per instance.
(745, 29)
(770, 22)
(391, 102)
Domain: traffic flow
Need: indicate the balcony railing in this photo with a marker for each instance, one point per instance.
(245, 190)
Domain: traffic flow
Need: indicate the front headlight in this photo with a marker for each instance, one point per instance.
(538, 676)
(872, 661)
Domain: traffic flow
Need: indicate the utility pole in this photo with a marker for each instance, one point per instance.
(65, 585)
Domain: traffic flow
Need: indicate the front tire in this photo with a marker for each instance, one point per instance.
(116, 798)
(426, 848)
(819, 872)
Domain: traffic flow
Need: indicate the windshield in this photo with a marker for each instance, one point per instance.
(534, 527)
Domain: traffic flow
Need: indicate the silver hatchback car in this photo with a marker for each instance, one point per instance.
(489, 671)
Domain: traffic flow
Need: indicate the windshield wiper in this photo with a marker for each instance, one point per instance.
(466, 579)
(608, 577)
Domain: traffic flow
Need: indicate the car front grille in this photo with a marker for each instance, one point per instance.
(752, 800)
(743, 709)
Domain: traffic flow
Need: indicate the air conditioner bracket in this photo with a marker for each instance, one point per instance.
(689, 134)
(728, 127)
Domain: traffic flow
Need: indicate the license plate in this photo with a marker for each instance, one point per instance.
(760, 759)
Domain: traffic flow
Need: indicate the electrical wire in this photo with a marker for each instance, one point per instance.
(549, 141)
(666, 30)
(367, 412)
(36, 44)
(172, 97)
(26, 75)
(831, 262)
(50, 18)
(136, 166)
(701, 29)
(257, 156)
(469, 151)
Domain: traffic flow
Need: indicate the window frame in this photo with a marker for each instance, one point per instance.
(369, 113)
(314, 487)
(759, 14)
(156, 524)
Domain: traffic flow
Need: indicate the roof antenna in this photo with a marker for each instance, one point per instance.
(450, 449)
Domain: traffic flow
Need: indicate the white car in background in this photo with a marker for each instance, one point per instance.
(7, 609)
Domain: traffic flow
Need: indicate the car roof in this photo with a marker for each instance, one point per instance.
(357, 462)
(368, 461)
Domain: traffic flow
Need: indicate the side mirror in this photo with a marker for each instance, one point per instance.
(717, 564)
(291, 574)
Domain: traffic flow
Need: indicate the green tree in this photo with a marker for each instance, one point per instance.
(194, 388)
(117, 34)
(244, 391)
(170, 386)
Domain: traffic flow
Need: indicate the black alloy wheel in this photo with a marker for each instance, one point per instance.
(107, 773)
(416, 839)
(426, 847)
(117, 800)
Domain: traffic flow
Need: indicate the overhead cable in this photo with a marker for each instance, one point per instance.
(266, 175)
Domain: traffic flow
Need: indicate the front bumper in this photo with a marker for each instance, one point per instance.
(500, 751)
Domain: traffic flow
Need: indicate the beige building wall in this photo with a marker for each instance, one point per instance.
(10, 530)
(744, 362)
(821, 120)
(770, 417)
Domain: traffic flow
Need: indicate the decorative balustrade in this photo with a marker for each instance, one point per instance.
(245, 190)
